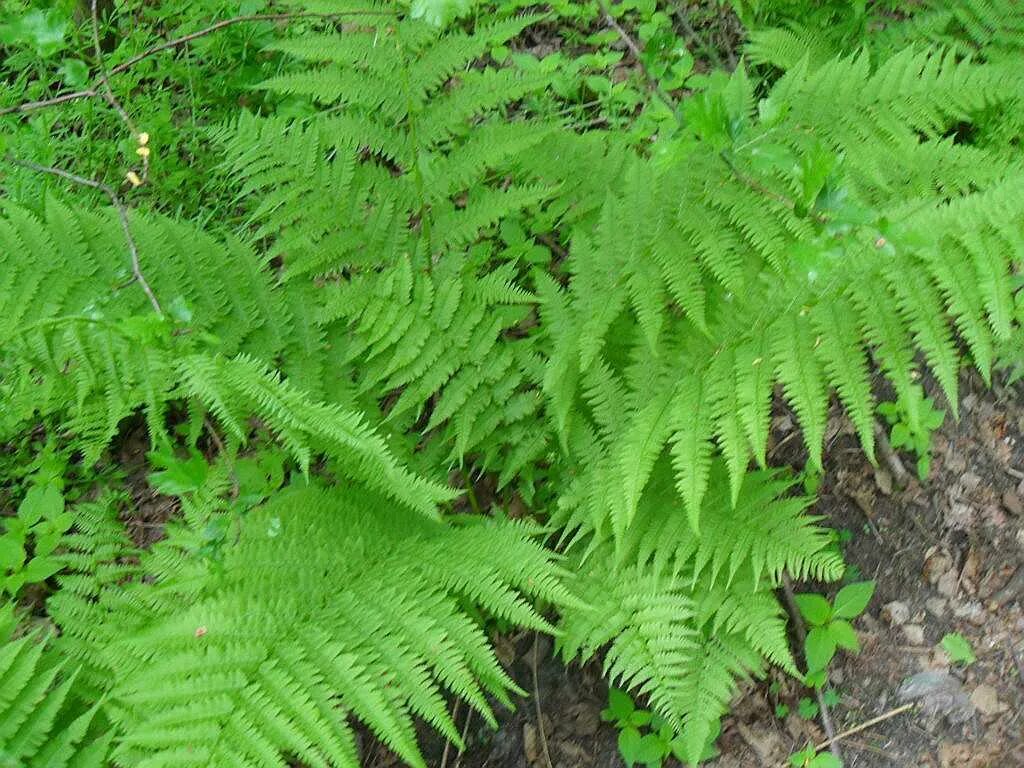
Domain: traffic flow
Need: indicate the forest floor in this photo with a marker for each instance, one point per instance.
(947, 555)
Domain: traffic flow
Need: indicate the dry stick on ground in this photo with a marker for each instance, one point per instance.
(465, 732)
(695, 41)
(122, 214)
(637, 54)
(892, 459)
(831, 741)
(447, 742)
(536, 704)
(1010, 590)
(89, 93)
(801, 633)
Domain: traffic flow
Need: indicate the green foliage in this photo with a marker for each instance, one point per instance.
(830, 627)
(41, 724)
(414, 250)
(29, 538)
(684, 621)
(917, 439)
(809, 758)
(644, 737)
(251, 658)
(958, 648)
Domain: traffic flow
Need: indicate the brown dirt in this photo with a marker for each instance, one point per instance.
(942, 550)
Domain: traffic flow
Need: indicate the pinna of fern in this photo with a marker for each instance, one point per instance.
(42, 723)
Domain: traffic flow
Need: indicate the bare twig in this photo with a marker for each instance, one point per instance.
(862, 504)
(108, 94)
(447, 742)
(801, 633)
(864, 726)
(122, 214)
(465, 733)
(892, 460)
(1010, 590)
(1016, 658)
(695, 41)
(637, 54)
(94, 90)
(829, 742)
(536, 705)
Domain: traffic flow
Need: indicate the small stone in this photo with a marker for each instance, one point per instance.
(947, 583)
(936, 563)
(936, 606)
(884, 481)
(895, 613)
(1013, 504)
(969, 481)
(985, 700)
(959, 516)
(914, 634)
(972, 612)
(530, 743)
(938, 693)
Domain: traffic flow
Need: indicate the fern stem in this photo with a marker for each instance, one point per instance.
(471, 495)
(421, 187)
(801, 633)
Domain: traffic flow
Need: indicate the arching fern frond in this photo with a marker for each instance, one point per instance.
(684, 616)
(273, 651)
(41, 726)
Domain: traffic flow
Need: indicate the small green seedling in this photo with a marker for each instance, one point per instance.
(959, 649)
(807, 708)
(28, 539)
(830, 626)
(644, 737)
(808, 758)
(903, 434)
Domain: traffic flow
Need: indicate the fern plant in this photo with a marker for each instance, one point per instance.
(275, 649)
(823, 227)
(41, 723)
(793, 248)
(684, 616)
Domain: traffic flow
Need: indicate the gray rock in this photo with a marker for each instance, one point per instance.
(937, 693)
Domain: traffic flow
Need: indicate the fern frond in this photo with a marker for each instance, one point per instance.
(40, 724)
(270, 654)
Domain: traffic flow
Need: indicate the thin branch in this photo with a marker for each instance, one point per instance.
(695, 41)
(536, 705)
(108, 94)
(122, 214)
(862, 727)
(124, 66)
(448, 742)
(892, 459)
(465, 734)
(637, 54)
(801, 633)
